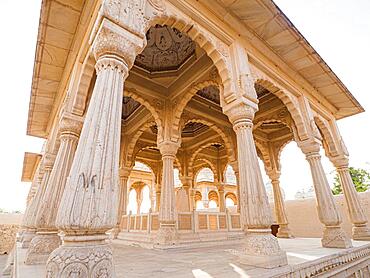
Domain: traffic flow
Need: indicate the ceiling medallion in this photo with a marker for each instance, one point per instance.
(167, 49)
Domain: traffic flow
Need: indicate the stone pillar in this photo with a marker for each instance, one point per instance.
(221, 194)
(27, 232)
(333, 235)
(89, 205)
(30, 218)
(158, 199)
(47, 238)
(167, 230)
(187, 185)
(122, 207)
(261, 247)
(139, 200)
(360, 229)
(280, 213)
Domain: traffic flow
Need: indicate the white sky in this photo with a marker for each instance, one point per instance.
(339, 31)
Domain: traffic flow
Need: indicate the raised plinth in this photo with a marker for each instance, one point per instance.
(361, 233)
(41, 246)
(27, 237)
(82, 256)
(167, 234)
(261, 249)
(335, 237)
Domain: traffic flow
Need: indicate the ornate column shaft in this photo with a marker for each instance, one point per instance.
(261, 247)
(360, 229)
(30, 218)
(47, 238)
(158, 199)
(221, 194)
(122, 207)
(27, 232)
(333, 235)
(139, 200)
(89, 205)
(280, 213)
(167, 229)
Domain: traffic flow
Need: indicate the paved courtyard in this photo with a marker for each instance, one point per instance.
(198, 262)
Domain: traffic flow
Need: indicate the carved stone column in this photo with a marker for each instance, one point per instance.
(333, 236)
(158, 199)
(47, 238)
(261, 247)
(139, 200)
(89, 204)
(167, 230)
(360, 230)
(122, 207)
(187, 185)
(221, 194)
(30, 218)
(280, 213)
(27, 232)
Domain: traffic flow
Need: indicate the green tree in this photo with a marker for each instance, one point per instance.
(360, 178)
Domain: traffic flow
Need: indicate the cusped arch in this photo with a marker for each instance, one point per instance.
(227, 141)
(132, 143)
(195, 153)
(327, 134)
(290, 103)
(232, 196)
(137, 97)
(184, 99)
(209, 163)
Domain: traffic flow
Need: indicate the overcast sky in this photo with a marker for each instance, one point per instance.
(339, 30)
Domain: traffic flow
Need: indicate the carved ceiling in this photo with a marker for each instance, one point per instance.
(210, 93)
(129, 106)
(260, 90)
(193, 129)
(167, 49)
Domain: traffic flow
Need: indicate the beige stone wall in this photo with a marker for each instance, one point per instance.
(9, 224)
(303, 219)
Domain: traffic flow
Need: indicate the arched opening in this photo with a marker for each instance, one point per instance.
(132, 201)
(230, 177)
(145, 203)
(205, 174)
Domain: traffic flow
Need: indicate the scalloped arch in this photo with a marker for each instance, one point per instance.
(327, 134)
(291, 104)
(209, 163)
(227, 141)
(187, 97)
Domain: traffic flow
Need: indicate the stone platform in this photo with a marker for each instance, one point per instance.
(305, 257)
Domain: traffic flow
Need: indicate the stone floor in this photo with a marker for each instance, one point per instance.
(198, 262)
(2, 263)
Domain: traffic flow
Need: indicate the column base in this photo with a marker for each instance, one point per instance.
(284, 232)
(82, 256)
(335, 237)
(27, 236)
(41, 246)
(361, 232)
(167, 234)
(262, 249)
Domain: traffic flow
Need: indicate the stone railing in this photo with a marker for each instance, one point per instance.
(187, 222)
(354, 262)
(146, 222)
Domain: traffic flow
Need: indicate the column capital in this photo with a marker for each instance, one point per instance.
(340, 161)
(168, 148)
(116, 42)
(47, 161)
(241, 113)
(310, 147)
(70, 125)
(125, 171)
